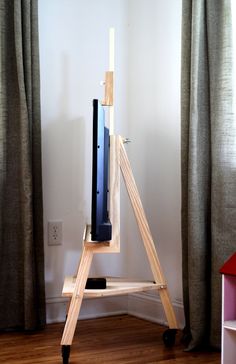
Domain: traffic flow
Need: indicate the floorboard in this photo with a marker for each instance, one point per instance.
(117, 340)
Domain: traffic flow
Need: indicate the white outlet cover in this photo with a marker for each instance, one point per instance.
(55, 233)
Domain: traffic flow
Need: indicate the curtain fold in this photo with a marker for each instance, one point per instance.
(22, 292)
(208, 158)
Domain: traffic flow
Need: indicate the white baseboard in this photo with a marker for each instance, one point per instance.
(56, 308)
(143, 305)
(91, 308)
(149, 307)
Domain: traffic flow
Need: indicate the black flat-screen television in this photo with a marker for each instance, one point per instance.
(101, 229)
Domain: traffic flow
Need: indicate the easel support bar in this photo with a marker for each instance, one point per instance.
(77, 296)
(146, 237)
(140, 217)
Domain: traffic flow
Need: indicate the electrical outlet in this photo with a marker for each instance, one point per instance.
(54, 232)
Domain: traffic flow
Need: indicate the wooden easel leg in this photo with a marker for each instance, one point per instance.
(76, 299)
(168, 308)
(146, 236)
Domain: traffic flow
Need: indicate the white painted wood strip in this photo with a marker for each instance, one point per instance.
(112, 69)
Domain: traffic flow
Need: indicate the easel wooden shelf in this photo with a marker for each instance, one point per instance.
(74, 287)
(115, 286)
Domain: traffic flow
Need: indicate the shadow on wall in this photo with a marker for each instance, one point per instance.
(64, 186)
(163, 199)
(158, 180)
(64, 167)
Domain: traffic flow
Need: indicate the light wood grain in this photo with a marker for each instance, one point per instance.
(96, 246)
(140, 216)
(77, 296)
(146, 236)
(112, 340)
(76, 289)
(115, 286)
(108, 101)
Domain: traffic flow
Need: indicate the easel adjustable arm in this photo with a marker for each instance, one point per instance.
(108, 100)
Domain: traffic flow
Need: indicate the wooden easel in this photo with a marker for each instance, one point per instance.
(74, 287)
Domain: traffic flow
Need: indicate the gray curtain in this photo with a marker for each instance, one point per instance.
(208, 163)
(22, 296)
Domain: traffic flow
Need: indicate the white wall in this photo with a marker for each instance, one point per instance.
(154, 122)
(73, 58)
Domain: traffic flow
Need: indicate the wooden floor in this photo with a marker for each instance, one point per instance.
(119, 339)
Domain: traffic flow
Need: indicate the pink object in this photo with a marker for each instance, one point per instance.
(228, 352)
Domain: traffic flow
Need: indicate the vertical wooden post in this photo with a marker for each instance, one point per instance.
(112, 69)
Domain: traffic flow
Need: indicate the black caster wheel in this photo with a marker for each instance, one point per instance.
(65, 352)
(169, 337)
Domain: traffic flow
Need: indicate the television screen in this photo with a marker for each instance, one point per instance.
(101, 229)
